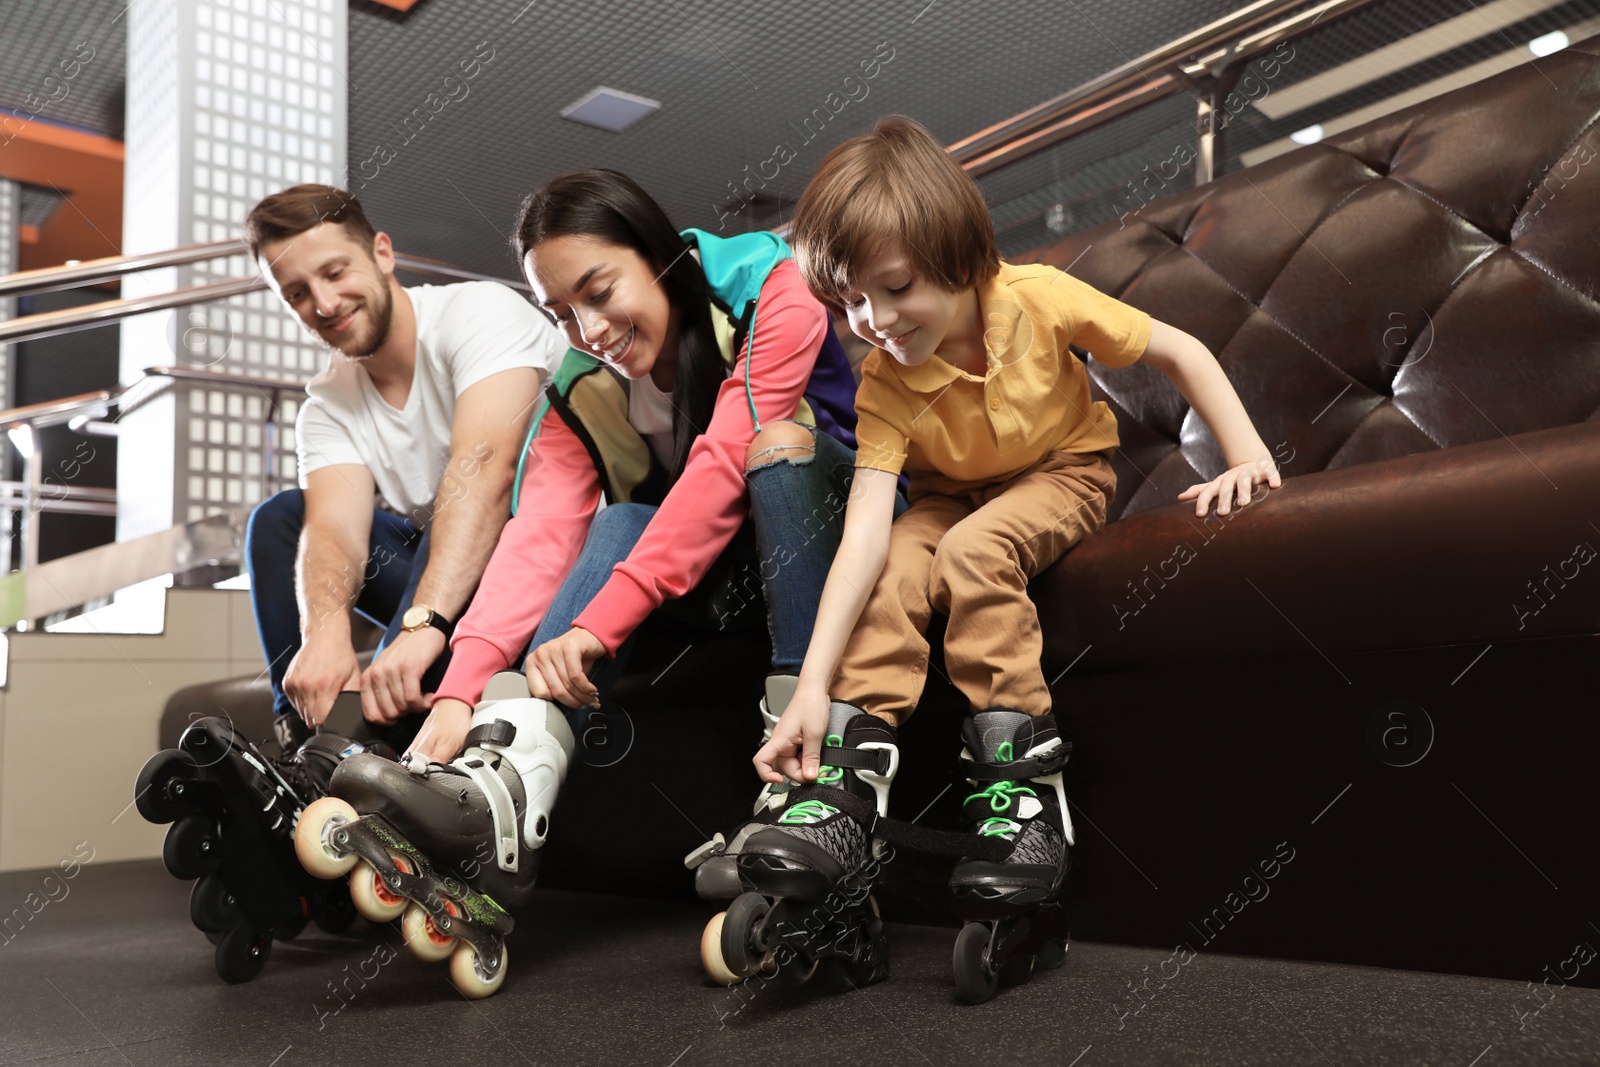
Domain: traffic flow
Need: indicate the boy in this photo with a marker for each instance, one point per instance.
(973, 393)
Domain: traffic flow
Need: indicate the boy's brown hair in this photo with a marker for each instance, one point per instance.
(300, 207)
(898, 185)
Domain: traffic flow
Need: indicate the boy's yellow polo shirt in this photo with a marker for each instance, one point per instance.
(950, 430)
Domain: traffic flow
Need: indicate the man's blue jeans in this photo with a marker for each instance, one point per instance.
(397, 554)
(797, 511)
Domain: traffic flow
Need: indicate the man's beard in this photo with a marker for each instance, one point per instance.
(382, 317)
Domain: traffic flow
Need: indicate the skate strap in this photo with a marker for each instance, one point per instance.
(500, 732)
(1017, 770)
(905, 834)
(876, 760)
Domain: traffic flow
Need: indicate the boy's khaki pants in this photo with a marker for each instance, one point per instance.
(970, 556)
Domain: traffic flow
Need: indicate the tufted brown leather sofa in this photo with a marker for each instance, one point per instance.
(1389, 663)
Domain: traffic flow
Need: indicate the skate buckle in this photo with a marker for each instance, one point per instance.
(715, 847)
(886, 762)
(501, 810)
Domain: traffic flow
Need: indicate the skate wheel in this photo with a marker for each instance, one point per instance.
(290, 928)
(193, 847)
(469, 975)
(241, 953)
(311, 842)
(796, 971)
(1019, 971)
(711, 952)
(372, 896)
(976, 981)
(212, 908)
(332, 911)
(740, 952)
(837, 973)
(424, 939)
(162, 791)
(1051, 955)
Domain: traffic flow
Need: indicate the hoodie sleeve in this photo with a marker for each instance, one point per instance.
(709, 502)
(537, 548)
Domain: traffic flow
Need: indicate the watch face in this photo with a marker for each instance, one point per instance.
(416, 617)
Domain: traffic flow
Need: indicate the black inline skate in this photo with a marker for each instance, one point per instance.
(450, 849)
(1016, 921)
(811, 865)
(233, 810)
(716, 863)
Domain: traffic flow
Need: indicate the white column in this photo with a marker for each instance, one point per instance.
(228, 101)
(10, 227)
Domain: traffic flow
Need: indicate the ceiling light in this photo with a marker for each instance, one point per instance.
(610, 109)
(1550, 42)
(1309, 135)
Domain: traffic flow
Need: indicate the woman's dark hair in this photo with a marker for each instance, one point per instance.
(611, 206)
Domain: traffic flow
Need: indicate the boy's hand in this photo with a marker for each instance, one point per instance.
(795, 751)
(1232, 484)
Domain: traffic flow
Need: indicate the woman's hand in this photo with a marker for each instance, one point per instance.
(559, 670)
(445, 732)
(795, 751)
(1232, 484)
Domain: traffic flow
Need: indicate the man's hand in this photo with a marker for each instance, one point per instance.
(318, 673)
(559, 670)
(1232, 484)
(795, 751)
(445, 732)
(392, 685)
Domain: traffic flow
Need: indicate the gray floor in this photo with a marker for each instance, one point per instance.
(110, 972)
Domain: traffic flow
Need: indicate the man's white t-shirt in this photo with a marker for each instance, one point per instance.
(465, 333)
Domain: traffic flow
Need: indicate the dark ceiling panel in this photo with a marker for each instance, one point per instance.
(65, 60)
(735, 79)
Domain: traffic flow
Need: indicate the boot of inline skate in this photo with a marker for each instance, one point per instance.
(1012, 764)
(811, 863)
(715, 863)
(233, 809)
(451, 849)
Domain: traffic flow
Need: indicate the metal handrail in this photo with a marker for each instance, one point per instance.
(223, 378)
(91, 271)
(89, 316)
(65, 409)
(1179, 65)
(56, 412)
(32, 495)
(84, 492)
(68, 499)
(62, 584)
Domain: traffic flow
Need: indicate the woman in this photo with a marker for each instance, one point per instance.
(735, 404)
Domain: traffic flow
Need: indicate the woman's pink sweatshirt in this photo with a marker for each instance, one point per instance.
(705, 508)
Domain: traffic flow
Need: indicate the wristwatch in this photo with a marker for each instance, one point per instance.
(418, 616)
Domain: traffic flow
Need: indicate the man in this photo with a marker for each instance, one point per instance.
(423, 405)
